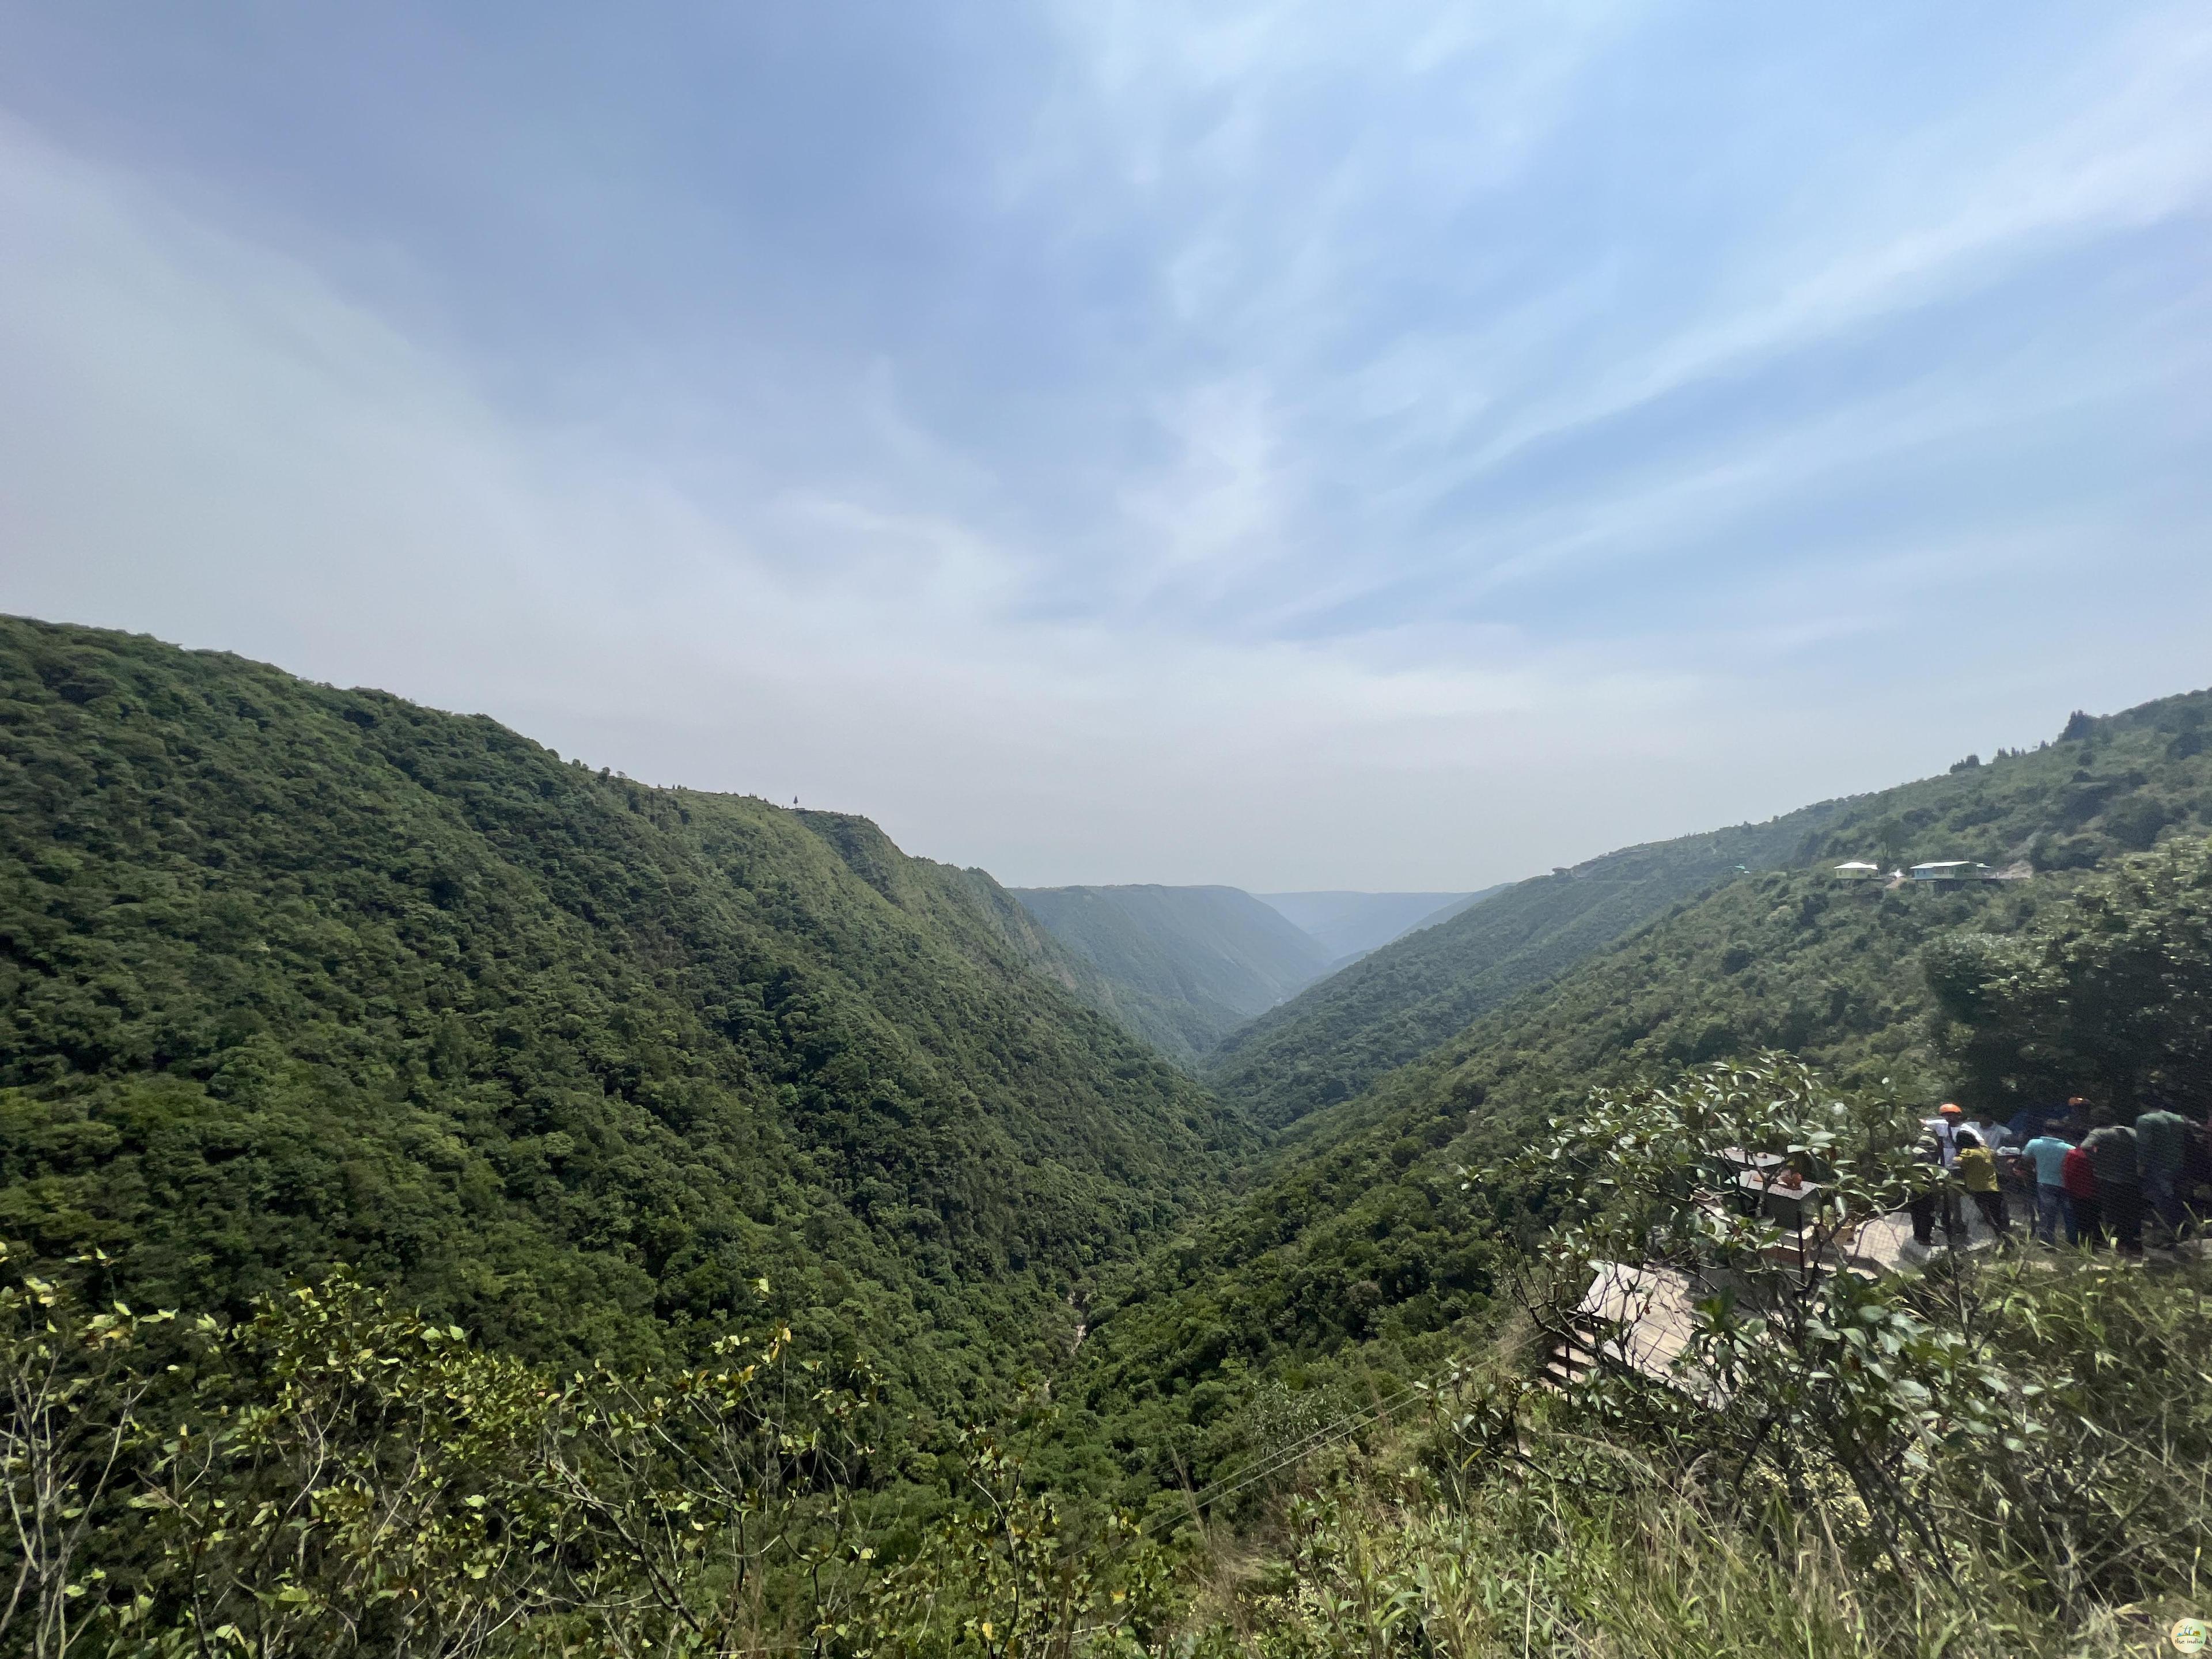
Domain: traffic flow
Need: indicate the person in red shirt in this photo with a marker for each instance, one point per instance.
(2085, 1214)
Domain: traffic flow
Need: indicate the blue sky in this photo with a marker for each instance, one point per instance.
(1392, 446)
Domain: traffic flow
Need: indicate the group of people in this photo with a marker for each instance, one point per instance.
(2100, 1185)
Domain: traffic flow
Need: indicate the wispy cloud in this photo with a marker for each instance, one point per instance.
(1224, 446)
(2011, 190)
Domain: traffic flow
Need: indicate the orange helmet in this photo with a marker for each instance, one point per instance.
(1946, 1109)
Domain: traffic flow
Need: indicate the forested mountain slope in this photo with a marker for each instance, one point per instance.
(292, 976)
(1361, 1253)
(1328, 1043)
(1182, 966)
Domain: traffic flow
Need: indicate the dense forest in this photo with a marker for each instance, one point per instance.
(1182, 966)
(1357, 1258)
(607, 1218)
(1396, 1004)
(297, 977)
(2008, 1450)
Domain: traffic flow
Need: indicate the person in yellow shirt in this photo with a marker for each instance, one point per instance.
(1976, 1166)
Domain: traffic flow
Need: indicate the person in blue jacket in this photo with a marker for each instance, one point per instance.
(2046, 1155)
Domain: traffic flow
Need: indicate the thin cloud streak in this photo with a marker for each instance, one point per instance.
(1301, 449)
(476, 573)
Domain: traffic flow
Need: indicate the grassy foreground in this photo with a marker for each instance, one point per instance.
(1607, 1536)
(2009, 1456)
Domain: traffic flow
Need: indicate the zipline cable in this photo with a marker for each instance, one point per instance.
(1284, 1457)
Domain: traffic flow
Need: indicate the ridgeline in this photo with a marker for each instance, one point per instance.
(298, 977)
(1399, 1002)
(1182, 966)
(683, 1224)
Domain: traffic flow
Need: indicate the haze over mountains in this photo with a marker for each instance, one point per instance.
(297, 978)
(1589, 473)
(1182, 967)
(1352, 924)
(1188, 964)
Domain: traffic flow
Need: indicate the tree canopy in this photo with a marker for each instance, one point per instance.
(296, 978)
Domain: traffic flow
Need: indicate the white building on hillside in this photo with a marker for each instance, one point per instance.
(1950, 870)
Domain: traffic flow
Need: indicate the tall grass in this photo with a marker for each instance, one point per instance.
(339, 1477)
(1592, 1537)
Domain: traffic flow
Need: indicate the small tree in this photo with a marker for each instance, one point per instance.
(1003, 1575)
(1891, 839)
(1801, 1373)
(75, 1385)
(344, 1474)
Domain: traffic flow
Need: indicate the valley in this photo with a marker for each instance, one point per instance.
(299, 979)
(1105, 832)
(320, 994)
(1184, 968)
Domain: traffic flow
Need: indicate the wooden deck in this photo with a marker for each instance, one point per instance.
(1645, 1318)
(1640, 1317)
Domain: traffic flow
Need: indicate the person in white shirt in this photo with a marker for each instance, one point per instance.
(1945, 1126)
(1942, 1133)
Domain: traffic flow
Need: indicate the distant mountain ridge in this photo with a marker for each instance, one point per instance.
(1185, 967)
(1337, 1036)
(1350, 925)
(1360, 1247)
(1182, 966)
(1391, 1007)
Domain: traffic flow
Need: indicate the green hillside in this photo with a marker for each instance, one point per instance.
(297, 979)
(1182, 966)
(1361, 1250)
(295, 976)
(1332, 1042)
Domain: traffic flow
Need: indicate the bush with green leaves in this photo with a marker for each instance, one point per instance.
(338, 1475)
(72, 1429)
(2008, 1454)
(2047, 1422)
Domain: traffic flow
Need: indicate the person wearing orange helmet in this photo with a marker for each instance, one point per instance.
(1945, 1126)
(1943, 1130)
